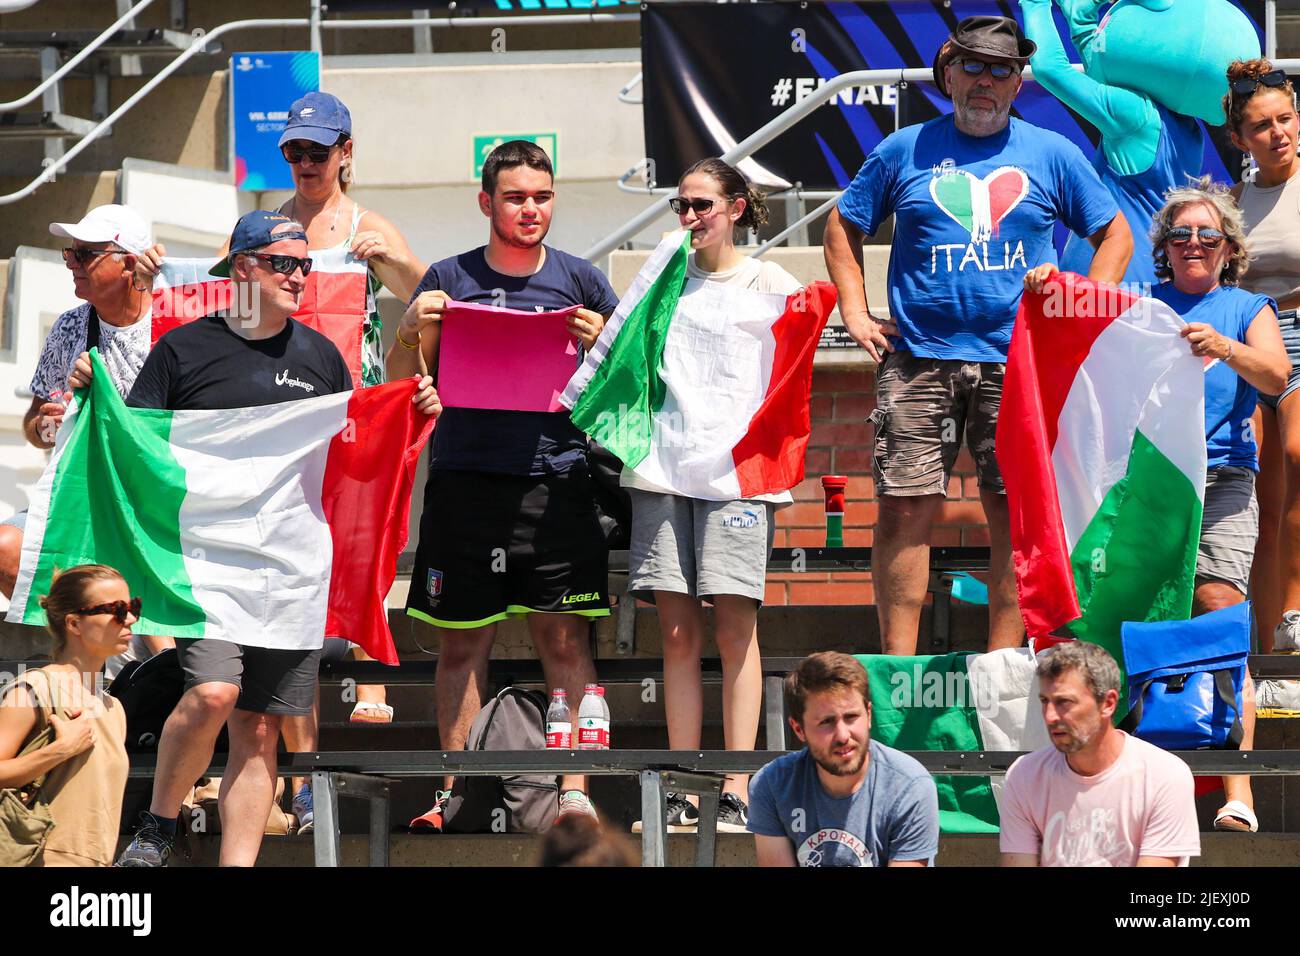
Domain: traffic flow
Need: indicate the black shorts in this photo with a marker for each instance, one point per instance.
(270, 681)
(498, 546)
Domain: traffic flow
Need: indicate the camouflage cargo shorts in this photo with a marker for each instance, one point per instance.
(923, 407)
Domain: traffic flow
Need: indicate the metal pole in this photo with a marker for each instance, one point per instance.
(68, 67)
(380, 811)
(653, 826)
(314, 25)
(325, 826)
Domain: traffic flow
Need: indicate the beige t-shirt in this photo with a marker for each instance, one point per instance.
(84, 793)
(758, 275)
(1272, 238)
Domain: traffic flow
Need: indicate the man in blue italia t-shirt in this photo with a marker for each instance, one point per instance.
(975, 197)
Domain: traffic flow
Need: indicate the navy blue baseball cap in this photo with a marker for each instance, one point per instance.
(319, 117)
(253, 231)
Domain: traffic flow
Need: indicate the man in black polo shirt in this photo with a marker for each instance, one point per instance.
(509, 525)
(255, 354)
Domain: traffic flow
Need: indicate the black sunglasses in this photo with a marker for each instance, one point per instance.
(119, 609)
(679, 205)
(1181, 235)
(999, 71)
(293, 153)
(284, 265)
(1248, 85)
(84, 256)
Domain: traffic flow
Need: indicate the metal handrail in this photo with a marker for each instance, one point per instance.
(200, 42)
(68, 67)
(453, 22)
(798, 224)
(628, 87)
(780, 124)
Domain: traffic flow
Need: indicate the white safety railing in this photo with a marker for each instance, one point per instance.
(72, 63)
(315, 25)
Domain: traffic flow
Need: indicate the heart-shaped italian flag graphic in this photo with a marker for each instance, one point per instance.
(978, 205)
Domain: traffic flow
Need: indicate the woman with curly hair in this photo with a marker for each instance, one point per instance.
(1200, 252)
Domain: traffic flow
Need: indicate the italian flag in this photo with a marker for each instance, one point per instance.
(704, 395)
(333, 299)
(971, 702)
(267, 527)
(1101, 442)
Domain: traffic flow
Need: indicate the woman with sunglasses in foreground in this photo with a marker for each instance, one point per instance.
(684, 550)
(1200, 251)
(1262, 120)
(90, 612)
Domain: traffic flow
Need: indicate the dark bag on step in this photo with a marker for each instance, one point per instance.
(525, 803)
(149, 691)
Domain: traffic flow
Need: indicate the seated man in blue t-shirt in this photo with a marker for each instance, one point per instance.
(510, 526)
(975, 197)
(844, 800)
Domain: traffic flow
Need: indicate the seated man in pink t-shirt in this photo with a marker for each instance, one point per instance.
(1100, 797)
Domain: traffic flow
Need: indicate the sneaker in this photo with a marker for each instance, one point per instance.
(575, 801)
(1277, 695)
(302, 809)
(1286, 636)
(431, 822)
(150, 847)
(733, 814)
(682, 817)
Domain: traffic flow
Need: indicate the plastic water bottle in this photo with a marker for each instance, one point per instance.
(593, 720)
(559, 725)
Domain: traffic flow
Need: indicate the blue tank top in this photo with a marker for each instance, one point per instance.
(1179, 154)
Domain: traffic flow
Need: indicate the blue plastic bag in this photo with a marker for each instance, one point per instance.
(1185, 679)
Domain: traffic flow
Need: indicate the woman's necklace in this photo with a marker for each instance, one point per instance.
(293, 211)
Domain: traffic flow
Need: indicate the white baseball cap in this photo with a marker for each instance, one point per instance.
(110, 223)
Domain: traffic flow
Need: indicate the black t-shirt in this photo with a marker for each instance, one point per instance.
(205, 365)
(505, 442)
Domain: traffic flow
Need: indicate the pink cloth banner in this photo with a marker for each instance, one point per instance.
(505, 359)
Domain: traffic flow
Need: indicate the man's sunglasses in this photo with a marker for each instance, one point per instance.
(284, 265)
(1249, 84)
(84, 256)
(679, 205)
(119, 609)
(999, 71)
(1182, 235)
(294, 152)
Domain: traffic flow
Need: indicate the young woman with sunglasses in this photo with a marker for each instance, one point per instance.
(685, 551)
(90, 612)
(1200, 251)
(1262, 120)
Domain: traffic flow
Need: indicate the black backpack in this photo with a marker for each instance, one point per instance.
(149, 691)
(525, 803)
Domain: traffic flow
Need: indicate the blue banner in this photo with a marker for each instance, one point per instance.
(262, 87)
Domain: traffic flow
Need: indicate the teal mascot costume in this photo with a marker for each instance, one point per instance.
(1152, 68)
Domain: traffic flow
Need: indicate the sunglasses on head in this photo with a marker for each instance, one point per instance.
(679, 205)
(1248, 85)
(999, 71)
(84, 256)
(1182, 235)
(294, 152)
(284, 265)
(119, 609)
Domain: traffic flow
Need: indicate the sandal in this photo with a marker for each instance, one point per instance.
(371, 712)
(1237, 817)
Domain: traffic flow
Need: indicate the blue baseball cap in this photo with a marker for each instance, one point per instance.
(253, 231)
(319, 117)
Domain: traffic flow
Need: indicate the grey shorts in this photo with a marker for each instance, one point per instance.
(698, 548)
(923, 407)
(270, 681)
(1229, 527)
(1289, 321)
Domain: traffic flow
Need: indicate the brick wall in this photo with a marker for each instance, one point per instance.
(842, 399)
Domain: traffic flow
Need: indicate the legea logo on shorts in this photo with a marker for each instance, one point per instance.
(746, 519)
(580, 598)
